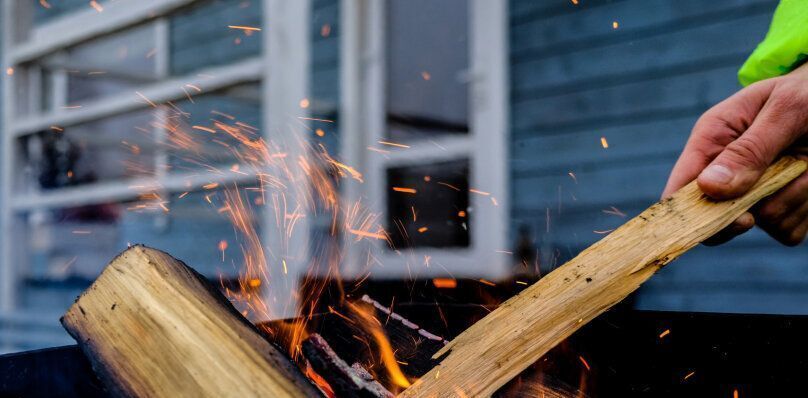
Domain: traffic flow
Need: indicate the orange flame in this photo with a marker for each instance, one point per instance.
(388, 357)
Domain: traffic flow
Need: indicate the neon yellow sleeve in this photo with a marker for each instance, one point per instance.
(785, 46)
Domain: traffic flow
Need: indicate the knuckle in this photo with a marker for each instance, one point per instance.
(770, 212)
(789, 95)
(749, 151)
(794, 238)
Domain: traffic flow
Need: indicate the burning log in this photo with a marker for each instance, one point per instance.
(524, 328)
(151, 326)
(346, 381)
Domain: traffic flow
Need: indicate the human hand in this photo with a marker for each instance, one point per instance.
(734, 142)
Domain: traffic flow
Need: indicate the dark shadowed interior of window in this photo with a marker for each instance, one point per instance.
(428, 205)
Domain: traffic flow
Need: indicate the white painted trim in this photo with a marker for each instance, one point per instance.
(208, 80)
(485, 145)
(489, 124)
(351, 117)
(123, 190)
(162, 53)
(287, 43)
(8, 270)
(86, 24)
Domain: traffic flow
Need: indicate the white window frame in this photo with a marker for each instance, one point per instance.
(80, 26)
(362, 115)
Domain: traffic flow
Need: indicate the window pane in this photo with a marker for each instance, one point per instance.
(76, 243)
(107, 149)
(47, 10)
(109, 65)
(203, 129)
(201, 36)
(427, 205)
(427, 63)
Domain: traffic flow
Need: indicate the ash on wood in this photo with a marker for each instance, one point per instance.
(346, 381)
(524, 328)
(151, 326)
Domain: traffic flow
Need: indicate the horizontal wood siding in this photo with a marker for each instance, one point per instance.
(575, 79)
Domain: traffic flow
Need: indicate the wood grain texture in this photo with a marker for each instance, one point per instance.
(519, 332)
(153, 327)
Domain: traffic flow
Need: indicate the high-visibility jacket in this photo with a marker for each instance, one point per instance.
(785, 46)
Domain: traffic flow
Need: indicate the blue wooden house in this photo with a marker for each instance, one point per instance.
(530, 129)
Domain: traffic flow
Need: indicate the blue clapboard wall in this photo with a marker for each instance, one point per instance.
(575, 79)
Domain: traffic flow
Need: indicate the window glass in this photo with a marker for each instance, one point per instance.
(214, 32)
(428, 205)
(77, 242)
(109, 65)
(47, 10)
(112, 148)
(203, 130)
(427, 68)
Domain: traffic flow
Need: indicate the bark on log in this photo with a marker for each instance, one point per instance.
(153, 327)
(524, 328)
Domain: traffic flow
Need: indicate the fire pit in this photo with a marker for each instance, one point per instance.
(623, 353)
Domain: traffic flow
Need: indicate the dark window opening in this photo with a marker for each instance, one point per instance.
(427, 205)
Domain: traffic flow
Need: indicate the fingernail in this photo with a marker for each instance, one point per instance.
(717, 174)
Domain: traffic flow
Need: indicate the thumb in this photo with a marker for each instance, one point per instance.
(741, 163)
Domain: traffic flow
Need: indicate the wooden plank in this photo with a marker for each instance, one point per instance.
(547, 154)
(151, 326)
(729, 299)
(699, 48)
(588, 26)
(527, 11)
(519, 332)
(590, 189)
(578, 111)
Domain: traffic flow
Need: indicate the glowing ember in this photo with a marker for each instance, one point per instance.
(222, 247)
(444, 283)
(583, 361)
(244, 28)
(94, 4)
(405, 190)
(487, 282)
(325, 30)
(395, 144)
